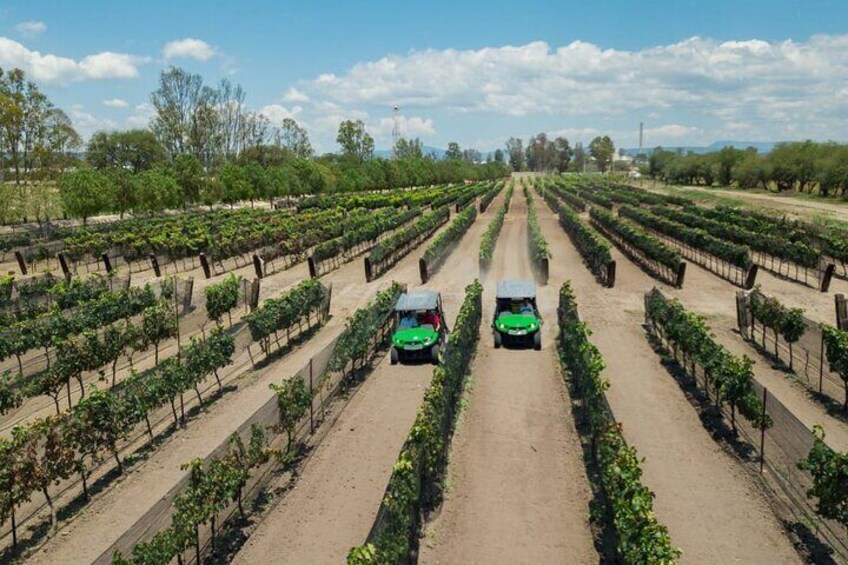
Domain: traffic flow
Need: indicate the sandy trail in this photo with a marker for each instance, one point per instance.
(517, 487)
(336, 499)
(712, 510)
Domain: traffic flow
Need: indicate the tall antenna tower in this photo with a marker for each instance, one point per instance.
(641, 131)
(395, 129)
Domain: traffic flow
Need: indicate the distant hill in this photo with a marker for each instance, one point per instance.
(762, 147)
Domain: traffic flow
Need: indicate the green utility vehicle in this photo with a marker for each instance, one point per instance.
(420, 327)
(517, 320)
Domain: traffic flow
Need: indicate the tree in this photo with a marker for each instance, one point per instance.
(123, 198)
(188, 172)
(602, 150)
(137, 150)
(578, 163)
(187, 116)
(355, 142)
(236, 186)
(156, 190)
(562, 154)
(499, 156)
(295, 139)
(515, 150)
(409, 149)
(453, 152)
(84, 193)
(472, 156)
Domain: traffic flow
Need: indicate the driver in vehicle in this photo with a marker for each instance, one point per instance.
(526, 307)
(408, 321)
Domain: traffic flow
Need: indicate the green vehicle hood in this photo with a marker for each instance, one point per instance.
(414, 336)
(517, 322)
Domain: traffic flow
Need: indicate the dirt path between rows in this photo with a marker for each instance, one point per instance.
(103, 521)
(713, 511)
(336, 499)
(714, 298)
(517, 490)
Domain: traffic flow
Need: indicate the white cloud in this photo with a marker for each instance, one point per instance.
(115, 103)
(701, 87)
(142, 115)
(53, 69)
(276, 113)
(672, 131)
(409, 127)
(188, 48)
(87, 123)
(31, 28)
(294, 95)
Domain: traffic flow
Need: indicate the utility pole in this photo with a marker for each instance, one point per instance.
(395, 130)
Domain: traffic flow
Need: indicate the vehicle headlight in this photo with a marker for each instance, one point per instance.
(532, 326)
(427, 340)
(502, 325)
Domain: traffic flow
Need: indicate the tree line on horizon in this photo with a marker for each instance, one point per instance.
(202, 147)
(806, 167)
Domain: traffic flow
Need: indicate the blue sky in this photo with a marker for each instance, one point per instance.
(473, 72)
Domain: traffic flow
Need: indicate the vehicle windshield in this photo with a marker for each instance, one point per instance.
(407, 321)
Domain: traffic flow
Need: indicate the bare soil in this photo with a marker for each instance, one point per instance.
(517, 490)
(712, 509)
(336, 499)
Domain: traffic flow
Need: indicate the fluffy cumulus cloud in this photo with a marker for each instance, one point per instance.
(31, 28)
(188, 48)
(295, 95)
(115, 103)
(410, 127)
(142, 114)
(277, 113)
(54, 69)
(694, 89)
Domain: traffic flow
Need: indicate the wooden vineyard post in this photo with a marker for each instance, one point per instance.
(368, 271)
(107, 263)
(763, 430)
(312, 403)
(681, 274)
(827, 276)
(204, 262)
(751, 276)
(422, 270)
(544, 271)
(742, 313)
(822, 354)
(254, 294)
(258, 266)
(156, 269)
(21, 263)
(841, 312)
(610, 282)
(63, 262)
(313, 268)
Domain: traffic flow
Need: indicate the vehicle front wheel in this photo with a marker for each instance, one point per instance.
(434, 354)
(393, 356)
(537, 341)
(498, 340)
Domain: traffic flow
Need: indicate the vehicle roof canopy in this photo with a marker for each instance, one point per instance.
(508, 289)
(421, 300)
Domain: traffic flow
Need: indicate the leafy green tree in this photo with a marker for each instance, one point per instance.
(409, 149)
(602, 149)
(235, 184)
(499, 156)
(294, 138)
(123, 197)
(293, 401)
(84, 193)
(156, 190)
(355, 142)
(453, 152)
(515, 150)
(188, 172)
(136, 149)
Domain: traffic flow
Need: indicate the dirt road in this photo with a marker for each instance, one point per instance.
(336, 499)
(517, 488)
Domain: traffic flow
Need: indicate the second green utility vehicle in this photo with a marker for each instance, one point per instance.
(517, 320)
